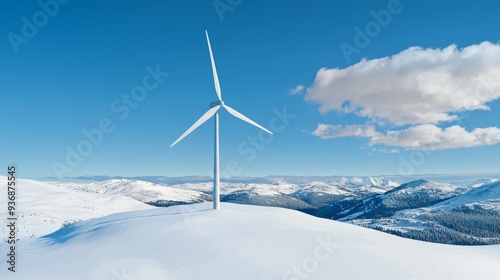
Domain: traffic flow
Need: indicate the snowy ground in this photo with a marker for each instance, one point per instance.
(139, 190)
(44, 208)
(239, 242)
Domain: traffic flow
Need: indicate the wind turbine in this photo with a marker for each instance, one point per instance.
(214, 110)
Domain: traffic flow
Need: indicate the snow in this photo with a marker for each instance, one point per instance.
(486, 195)
(380, 182)
(239, 242)
(263, 191)
(139, 190)
(197, 192)
(322, 187)
(44, 208)
(434, 189)
(481, 182)
(483, 193)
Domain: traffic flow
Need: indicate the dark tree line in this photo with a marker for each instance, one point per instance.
(461, 226)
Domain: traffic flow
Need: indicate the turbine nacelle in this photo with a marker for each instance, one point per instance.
(216, 103)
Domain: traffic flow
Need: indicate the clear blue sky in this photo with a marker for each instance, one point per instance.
(87, 54)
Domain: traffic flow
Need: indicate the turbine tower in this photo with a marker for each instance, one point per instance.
(213, 110)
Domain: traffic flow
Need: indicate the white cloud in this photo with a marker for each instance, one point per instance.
(387, 151)
(325, 131)
(297, 90)
(431, 137)
(415, 86)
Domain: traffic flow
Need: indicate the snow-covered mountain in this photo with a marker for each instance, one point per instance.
(316, 193)
(376, 202)
(143, 191)
(240, 242)
(379, 182)
(260, 195)
(486, 196)
(415, 194)
(481, 182)
(44, 208)
(470, 218)
(320, 193)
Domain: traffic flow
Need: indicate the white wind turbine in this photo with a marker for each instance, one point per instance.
(213, 110)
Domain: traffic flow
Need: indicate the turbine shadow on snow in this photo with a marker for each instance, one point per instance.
(68, 232)
(62, 235)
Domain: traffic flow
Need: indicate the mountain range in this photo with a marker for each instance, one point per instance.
(411, 209)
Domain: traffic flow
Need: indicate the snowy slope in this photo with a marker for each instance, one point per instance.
(486, 195)
(44, 208)
(481, 182)
(315, 193)
(141, 190)
(415, 194)
(240, 242)
(321, 193)
(470, 218)
(380, 182)
(231, 187)
(325, 188)
(437, 190)
(264, 196)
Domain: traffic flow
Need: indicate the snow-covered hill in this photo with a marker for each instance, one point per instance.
(376, 202)
(298, 196)
(321, 193)
(481, 182)
(44, 208)
(470, 218)
(142, 191)
(240, 242)
(486, 196)
(415, 194)
(260, 195)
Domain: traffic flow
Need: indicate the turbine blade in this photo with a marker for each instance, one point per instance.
(214, 70)
(199, 122)
(242, 117)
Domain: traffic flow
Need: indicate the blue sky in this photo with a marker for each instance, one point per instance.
(68, 73)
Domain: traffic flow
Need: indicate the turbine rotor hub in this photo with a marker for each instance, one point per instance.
(216, 103)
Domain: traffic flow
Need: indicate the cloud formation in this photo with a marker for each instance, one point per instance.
(297, 90)
(419, 88)
(420, 137)
(415, 86)
(432, 137)
(325, 131)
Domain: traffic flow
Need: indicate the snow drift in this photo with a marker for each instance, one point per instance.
(240, 242)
